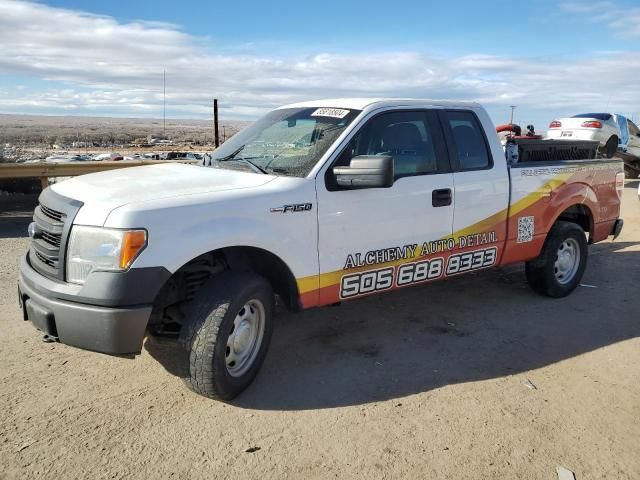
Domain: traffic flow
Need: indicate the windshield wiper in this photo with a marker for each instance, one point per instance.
(279, 170)
(257, 168)
(249, 163)
(231, 156)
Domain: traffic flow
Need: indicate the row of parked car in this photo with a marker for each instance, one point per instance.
(114, 157)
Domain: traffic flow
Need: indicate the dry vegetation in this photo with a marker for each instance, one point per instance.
(43, 132)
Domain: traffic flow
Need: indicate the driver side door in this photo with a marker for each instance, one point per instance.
(366, 234)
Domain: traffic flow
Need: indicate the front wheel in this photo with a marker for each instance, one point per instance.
(559, 268)
(227, 333)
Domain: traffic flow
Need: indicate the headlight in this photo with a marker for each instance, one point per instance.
(102, 249)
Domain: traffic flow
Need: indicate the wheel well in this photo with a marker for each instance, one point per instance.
(268, 265)
(580, 215)
(170, 304)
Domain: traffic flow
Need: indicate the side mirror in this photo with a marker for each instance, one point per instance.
(366, 171)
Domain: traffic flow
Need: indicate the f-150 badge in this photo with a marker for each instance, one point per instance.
(296, 207)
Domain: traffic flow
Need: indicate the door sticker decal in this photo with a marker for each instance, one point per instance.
(525, 229)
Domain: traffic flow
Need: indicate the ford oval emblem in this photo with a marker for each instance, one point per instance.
(32, 229)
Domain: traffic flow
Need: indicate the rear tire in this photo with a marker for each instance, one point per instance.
(227, 334)
(559, 268)
(611, 147)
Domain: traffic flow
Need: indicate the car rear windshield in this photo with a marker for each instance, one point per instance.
(287, 141)
(599, 116)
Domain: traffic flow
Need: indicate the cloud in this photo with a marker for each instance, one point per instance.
(625, 22)
(109, 67)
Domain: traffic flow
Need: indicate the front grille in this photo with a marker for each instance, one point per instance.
(51, 238)
(52, 217)
(47, 239)
(52, 214)
(45, 260)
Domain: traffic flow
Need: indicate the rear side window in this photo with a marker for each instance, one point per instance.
(469, 144)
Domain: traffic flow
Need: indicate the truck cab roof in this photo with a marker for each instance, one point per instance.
(362, 103)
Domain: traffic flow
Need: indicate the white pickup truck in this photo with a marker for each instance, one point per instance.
(313, 204)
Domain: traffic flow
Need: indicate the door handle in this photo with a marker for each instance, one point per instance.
(441, 197)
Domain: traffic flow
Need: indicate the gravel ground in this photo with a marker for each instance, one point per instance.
(475, 377)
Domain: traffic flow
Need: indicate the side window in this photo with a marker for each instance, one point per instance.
(470, 147)
(412, 138)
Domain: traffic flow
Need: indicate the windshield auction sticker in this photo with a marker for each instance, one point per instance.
(330, 112)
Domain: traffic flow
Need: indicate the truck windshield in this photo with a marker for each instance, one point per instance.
(287, 141)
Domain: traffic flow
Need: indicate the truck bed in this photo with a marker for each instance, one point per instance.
(541, 190)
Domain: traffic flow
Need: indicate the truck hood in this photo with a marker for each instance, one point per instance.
(105, 191)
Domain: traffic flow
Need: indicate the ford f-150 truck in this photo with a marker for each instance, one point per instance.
(314, 204)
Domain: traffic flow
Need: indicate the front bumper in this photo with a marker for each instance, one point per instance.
(576, 134)
(107, 324)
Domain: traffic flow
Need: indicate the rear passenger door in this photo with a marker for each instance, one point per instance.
(481, 187)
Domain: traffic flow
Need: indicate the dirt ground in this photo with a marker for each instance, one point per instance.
(428, 382)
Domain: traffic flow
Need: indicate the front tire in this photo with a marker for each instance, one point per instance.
(559, 268)
(227, 334)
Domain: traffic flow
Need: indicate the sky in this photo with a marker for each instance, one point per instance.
(549, 58)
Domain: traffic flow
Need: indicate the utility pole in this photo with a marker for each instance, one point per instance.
(513, 109)
(215, 123)
(164, 103)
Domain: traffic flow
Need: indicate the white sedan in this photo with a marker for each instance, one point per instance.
(107, 157)
(601, 127)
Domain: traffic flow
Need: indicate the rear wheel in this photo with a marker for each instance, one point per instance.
(559, 268)
(611, 147)
(227, 334)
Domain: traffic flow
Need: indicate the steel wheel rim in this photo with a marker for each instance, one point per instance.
(567, 261)
(245, 337)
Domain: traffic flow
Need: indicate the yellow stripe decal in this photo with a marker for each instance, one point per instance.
(313, 282)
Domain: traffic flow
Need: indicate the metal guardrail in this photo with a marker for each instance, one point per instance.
(44, 171)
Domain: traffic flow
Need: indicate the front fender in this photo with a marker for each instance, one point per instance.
(172, 244)
(184, 227)
(196, 240)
